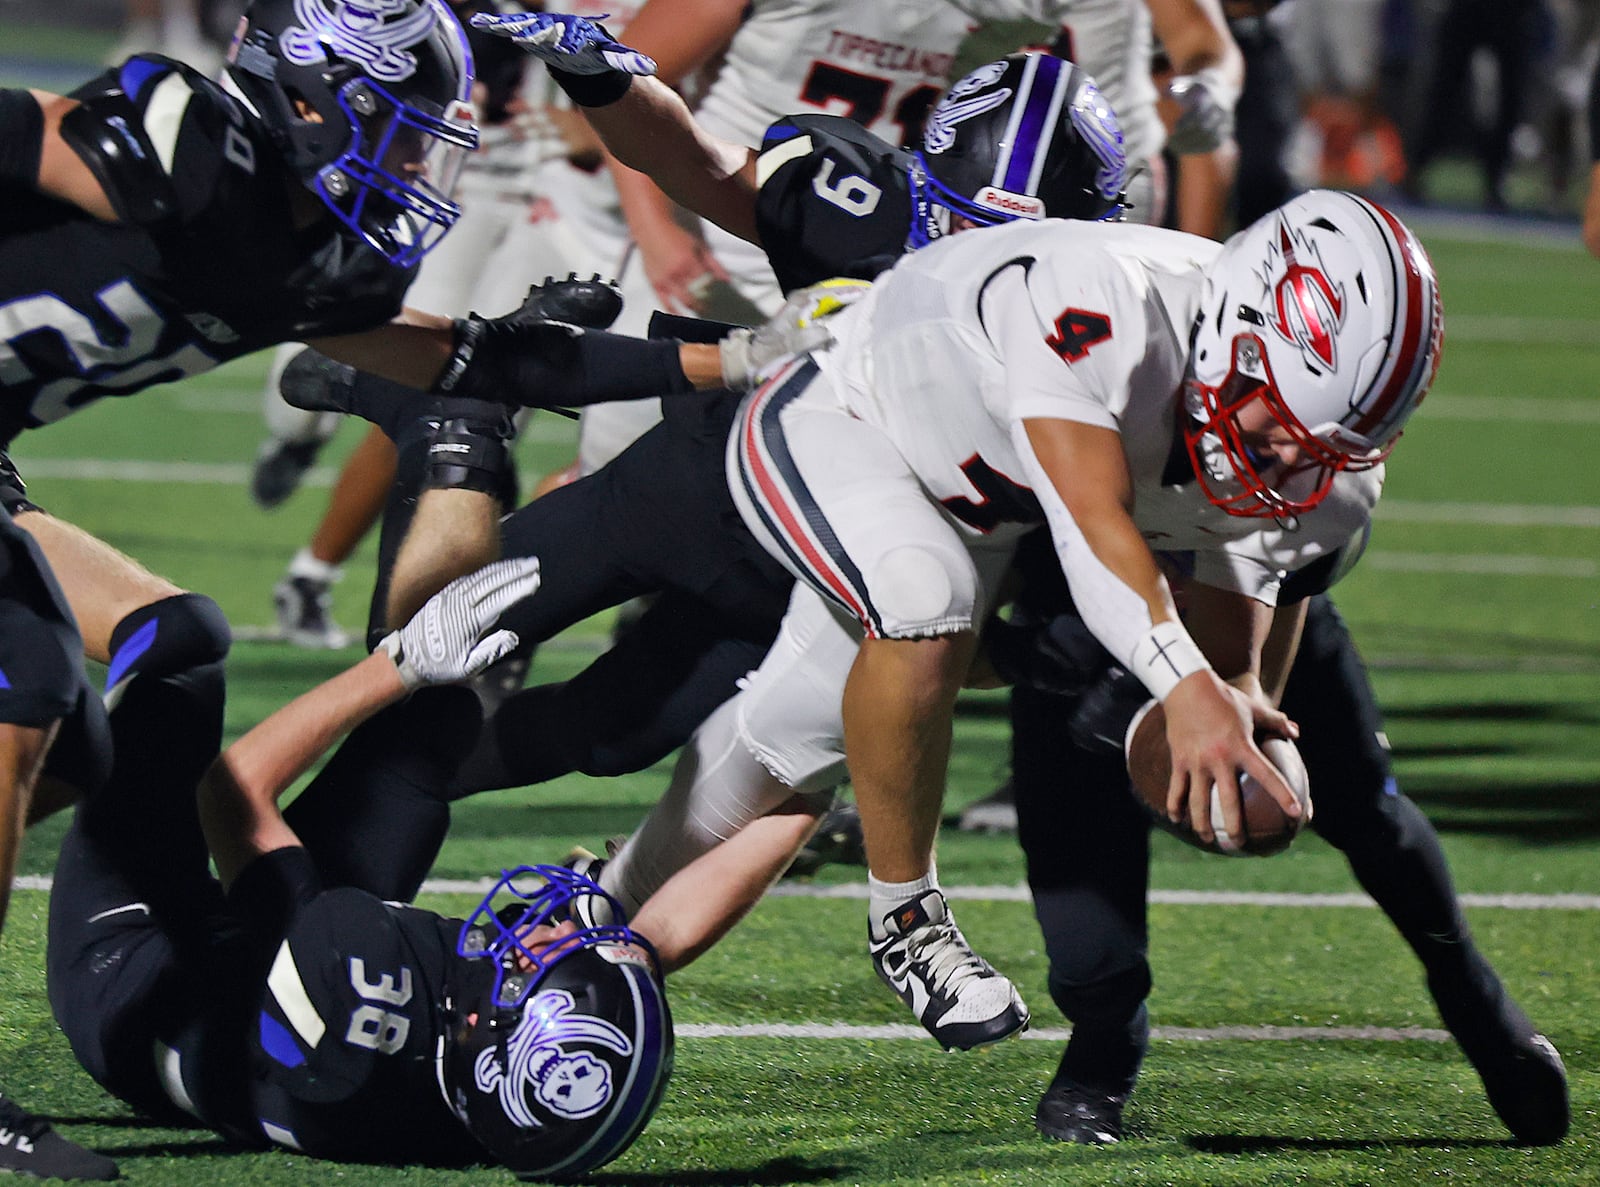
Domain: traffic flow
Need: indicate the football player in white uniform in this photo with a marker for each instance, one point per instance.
(1044, 372)
(882, 65)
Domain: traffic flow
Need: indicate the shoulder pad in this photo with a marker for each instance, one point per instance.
(126, 128)
(797, 136)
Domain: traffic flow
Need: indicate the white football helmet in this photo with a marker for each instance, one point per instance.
(1326, 310)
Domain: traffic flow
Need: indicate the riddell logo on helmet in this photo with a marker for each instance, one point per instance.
(1007, 203)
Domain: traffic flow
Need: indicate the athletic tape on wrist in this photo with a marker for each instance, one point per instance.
(1165, 656)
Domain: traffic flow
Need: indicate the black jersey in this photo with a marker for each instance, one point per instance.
(327, 1038)
(834, 200)
(205, 263)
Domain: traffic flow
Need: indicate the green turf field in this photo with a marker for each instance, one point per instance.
(1479, 608)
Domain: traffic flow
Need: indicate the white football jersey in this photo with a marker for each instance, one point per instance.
(881, 64)
(961, 342)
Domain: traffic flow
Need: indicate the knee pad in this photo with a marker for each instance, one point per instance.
(172, 635)
(921, 589)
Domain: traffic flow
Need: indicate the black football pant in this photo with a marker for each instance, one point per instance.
(1086, 842)
(658, 519)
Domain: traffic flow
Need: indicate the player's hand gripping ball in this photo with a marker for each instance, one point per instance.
(1268, 830)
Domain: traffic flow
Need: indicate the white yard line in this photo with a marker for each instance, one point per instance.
(1019, 894)
(1059, 1034)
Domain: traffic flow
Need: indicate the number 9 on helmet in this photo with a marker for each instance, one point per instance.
(559, 1041)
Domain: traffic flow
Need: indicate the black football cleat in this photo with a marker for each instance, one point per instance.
(279, 468)
(594, 304)
(1069, 1112)
(28, 1146)
(1522, 1072)
(313, 382)
(837, 841)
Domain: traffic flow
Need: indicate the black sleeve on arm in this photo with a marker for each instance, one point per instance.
(554, 365)
(592, 90)
(269, 890)
(21, 138)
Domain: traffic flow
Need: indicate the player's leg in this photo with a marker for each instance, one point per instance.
(134, 904)
(375, 815)
(41, 657)
(1395, 855)
(295, 436)
(634, 705)
(303, 596)
(1087, 847)
(830, 497)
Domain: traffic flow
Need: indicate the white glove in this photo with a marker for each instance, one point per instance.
(1205, 105)
(449, 638)
(797, 328)
(571, 43)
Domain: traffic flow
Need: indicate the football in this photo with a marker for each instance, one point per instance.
(1267, 829)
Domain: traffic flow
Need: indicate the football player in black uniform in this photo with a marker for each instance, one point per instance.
(159, 224)
(659, 517)
(279, 1007)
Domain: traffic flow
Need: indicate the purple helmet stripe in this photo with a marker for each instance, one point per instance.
(1037, 100)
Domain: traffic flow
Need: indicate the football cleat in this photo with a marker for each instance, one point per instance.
(589, 910)
(1069, 1112)
(279, 469)
(594, 303)
(313, 382)
(304, 619)
(1522, 1072)
(994, 813)
(28, 1146)
(837, 841)
(956, 995)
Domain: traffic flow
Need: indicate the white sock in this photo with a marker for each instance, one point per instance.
(884, 897)
(306, 565)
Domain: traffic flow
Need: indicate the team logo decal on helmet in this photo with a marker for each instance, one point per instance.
(1308, 308)
(570, 1084)
(960, 105)
(559, 1040)
(1028, 137)
(367, 102)
(367, 32)
(1097, 124)
(1320, 328)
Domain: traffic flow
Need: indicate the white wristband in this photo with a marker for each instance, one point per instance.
(1165, 656)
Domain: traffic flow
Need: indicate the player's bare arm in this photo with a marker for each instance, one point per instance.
(238, 797)
(1210, 725)
(651, 130)
(451, 638)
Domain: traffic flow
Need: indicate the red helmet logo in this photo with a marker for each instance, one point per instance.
(1308, 308)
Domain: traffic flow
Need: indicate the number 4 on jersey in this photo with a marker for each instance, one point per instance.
(1076, 331)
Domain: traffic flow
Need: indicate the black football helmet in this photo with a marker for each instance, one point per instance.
(367, 102)
(555, 1055)
(1028, 136)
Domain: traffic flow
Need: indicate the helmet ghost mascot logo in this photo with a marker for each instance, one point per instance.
(569, 1084)
(361, 30)
(956, 108)
(1308, 308)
